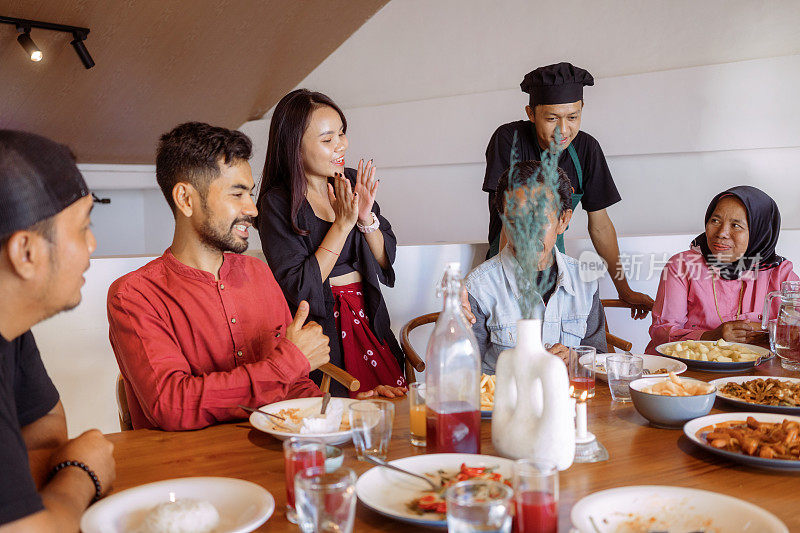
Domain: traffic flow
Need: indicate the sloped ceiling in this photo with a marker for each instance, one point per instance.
(160, 63)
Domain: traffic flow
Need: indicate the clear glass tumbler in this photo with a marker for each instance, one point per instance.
(325, 501)
(371, 422)
(416, 407)
(621, 370)
(299, 454)
(581, 367)
(535, 496)
(479, 506)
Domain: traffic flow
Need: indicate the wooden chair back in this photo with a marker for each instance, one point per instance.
(122, 405)
(413, 360)
(612, 340)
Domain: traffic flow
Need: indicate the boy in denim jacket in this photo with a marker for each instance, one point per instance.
(573, 314)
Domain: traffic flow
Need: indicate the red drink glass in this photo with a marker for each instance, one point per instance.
(581, 368)
(535, 497)
(454, 429)
(299, 454)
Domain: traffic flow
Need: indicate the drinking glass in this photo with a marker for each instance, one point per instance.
(621, 370)
(299, 454)
(325, 502)
(479, 505)
(371, 422)
(535, 496)
(581, 375)
(416, 403)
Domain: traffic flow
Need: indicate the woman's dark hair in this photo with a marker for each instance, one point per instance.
(524, 173)
(284, 166)
(191, 153)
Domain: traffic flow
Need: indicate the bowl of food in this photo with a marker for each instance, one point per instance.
(673, 401)
(715, 356)
(334, 458)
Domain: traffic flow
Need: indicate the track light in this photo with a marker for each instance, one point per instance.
(24, 27)
(81, 50)
(27, 43)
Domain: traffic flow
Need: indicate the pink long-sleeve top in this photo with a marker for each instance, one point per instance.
(685, 305)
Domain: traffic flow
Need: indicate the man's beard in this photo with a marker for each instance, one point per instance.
(219, 240)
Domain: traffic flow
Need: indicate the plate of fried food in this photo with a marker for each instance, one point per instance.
(656, 366)
(301, 418)
(771, 394)
(715, 356)
(488, 383)
(765, 440)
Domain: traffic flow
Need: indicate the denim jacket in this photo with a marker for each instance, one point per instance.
(573, 315)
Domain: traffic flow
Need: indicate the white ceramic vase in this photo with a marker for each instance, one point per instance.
(532, 417)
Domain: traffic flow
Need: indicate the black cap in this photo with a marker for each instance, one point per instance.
(561, 83)
(38, 179)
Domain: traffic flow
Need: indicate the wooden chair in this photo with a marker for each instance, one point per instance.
(411, 356)
(413, 360)
(612, 340)
(122, 405)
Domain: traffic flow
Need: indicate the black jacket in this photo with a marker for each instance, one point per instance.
(291, 258)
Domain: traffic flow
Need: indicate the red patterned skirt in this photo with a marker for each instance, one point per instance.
(365, 357)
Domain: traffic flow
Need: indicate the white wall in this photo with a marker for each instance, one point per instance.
(690, 98)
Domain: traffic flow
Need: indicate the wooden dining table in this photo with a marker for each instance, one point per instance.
(640, 454)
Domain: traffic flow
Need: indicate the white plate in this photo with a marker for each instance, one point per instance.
(387, 492)
(650, 362)
(309, 406)
(714, 366)
(675, 509)
(691, 428)
(242, 505)
(741, 404)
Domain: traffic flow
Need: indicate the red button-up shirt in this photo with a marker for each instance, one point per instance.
(190, 348)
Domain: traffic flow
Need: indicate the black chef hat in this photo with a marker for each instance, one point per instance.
(38, 179)
(561, 83)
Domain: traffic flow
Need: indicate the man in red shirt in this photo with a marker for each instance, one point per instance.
(198, 331)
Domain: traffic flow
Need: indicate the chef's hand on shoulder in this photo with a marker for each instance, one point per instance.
(308, 337)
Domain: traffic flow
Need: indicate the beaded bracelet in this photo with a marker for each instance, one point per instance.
(98, 492)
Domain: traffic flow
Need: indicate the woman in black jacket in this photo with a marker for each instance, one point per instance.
(326, 241)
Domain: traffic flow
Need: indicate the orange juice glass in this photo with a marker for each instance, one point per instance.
(416, 400)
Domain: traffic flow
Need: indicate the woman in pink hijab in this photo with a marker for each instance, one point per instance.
(716, 289)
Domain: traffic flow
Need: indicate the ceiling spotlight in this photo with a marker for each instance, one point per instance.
(27, 43)
(24, 28)
(80, 49)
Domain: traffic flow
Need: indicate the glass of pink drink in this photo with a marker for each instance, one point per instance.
(535, 497)
(299, 454)
(581, 375)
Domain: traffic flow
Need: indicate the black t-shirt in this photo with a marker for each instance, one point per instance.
(598, 188)
(26, 394)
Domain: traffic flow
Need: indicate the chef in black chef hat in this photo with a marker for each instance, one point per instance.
(554, 118)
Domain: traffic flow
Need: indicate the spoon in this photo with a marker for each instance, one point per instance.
(645, 371)
(325, 400)
(380, 462)
(251, 410)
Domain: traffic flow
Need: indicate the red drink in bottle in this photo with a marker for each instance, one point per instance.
(456, 430)
(537, 512)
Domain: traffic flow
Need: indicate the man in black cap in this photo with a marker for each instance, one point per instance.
(554, 116)
(46, 480)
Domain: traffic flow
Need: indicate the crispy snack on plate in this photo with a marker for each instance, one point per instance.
(718, 351)
(765, 392)
(675, 386)
(487, 392)
(760, 439)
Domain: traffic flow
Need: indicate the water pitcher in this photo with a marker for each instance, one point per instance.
(784, 329)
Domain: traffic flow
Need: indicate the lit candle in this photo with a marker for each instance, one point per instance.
(581, 421)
